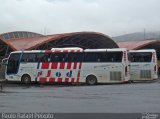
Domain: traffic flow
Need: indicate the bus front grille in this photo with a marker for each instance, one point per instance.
(115, 76)
(145, 74)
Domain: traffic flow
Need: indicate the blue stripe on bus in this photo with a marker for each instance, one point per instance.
(19, 61)
(37, 70)
(38, 64)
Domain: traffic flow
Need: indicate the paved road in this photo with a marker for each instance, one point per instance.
(130, 98)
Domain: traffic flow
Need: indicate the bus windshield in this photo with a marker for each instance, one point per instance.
(13, 63)
(140, 56)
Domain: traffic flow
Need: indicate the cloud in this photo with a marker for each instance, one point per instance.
(112, 17)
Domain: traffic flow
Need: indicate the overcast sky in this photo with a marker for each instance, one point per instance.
(111, 17)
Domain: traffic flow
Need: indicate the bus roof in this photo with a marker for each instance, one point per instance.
(29, 51)
(86, 50)
(102, 50)
(145, 50)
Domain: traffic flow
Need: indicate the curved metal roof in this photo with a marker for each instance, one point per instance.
(134, 45)
(80, 39)
(145, 44)
(18, 34)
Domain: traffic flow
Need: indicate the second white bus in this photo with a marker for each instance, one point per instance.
(143, 64)
(69, 65)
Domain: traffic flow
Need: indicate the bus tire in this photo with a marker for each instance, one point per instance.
(91, 80)
(26, 79)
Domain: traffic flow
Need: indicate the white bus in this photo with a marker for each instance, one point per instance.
(143, 64)
(69, 65)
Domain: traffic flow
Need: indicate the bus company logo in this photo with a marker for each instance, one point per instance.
(150, 116)
(39, 73)
(69, 74)
(58, 74)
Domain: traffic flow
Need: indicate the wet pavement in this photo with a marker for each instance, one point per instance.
(119, 98)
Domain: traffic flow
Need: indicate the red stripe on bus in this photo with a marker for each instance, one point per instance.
(62, 64)
(42, 80)
(124, 55)
(52, 80)
(57, 50)
(65, 50)
(48, 73)
(69, 65)
(45, 65)
(54, 65)
(75, 65)
(66, 80)
(72, 80)
(72, 50)
(48, 51)
(59, 80)
(78, 76)
(77, 80)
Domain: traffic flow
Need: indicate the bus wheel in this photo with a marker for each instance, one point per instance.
(26, 79)
(91, 80)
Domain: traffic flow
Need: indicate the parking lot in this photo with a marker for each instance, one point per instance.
(117, 98)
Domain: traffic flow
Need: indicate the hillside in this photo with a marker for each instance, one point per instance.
(137, 36)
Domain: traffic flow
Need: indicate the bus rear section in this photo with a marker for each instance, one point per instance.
(73, 65)
(105, 66)
(143, 64)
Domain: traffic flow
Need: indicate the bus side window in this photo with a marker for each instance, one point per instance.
(24, 57)
(132, 59)
(90, 57)
(57, 57)
(65, 57)
(100, 57)
(110, 57)
(114, 56)
(31, 57)
(141, 59)
(46, 57)
(75, 57)
(28, 57)
(41, 57)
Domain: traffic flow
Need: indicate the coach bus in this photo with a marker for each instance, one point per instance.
(143, 64)
(69, 65)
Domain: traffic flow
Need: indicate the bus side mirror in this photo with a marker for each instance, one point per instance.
(5, 61)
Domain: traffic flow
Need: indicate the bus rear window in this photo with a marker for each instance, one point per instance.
(140, 56)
